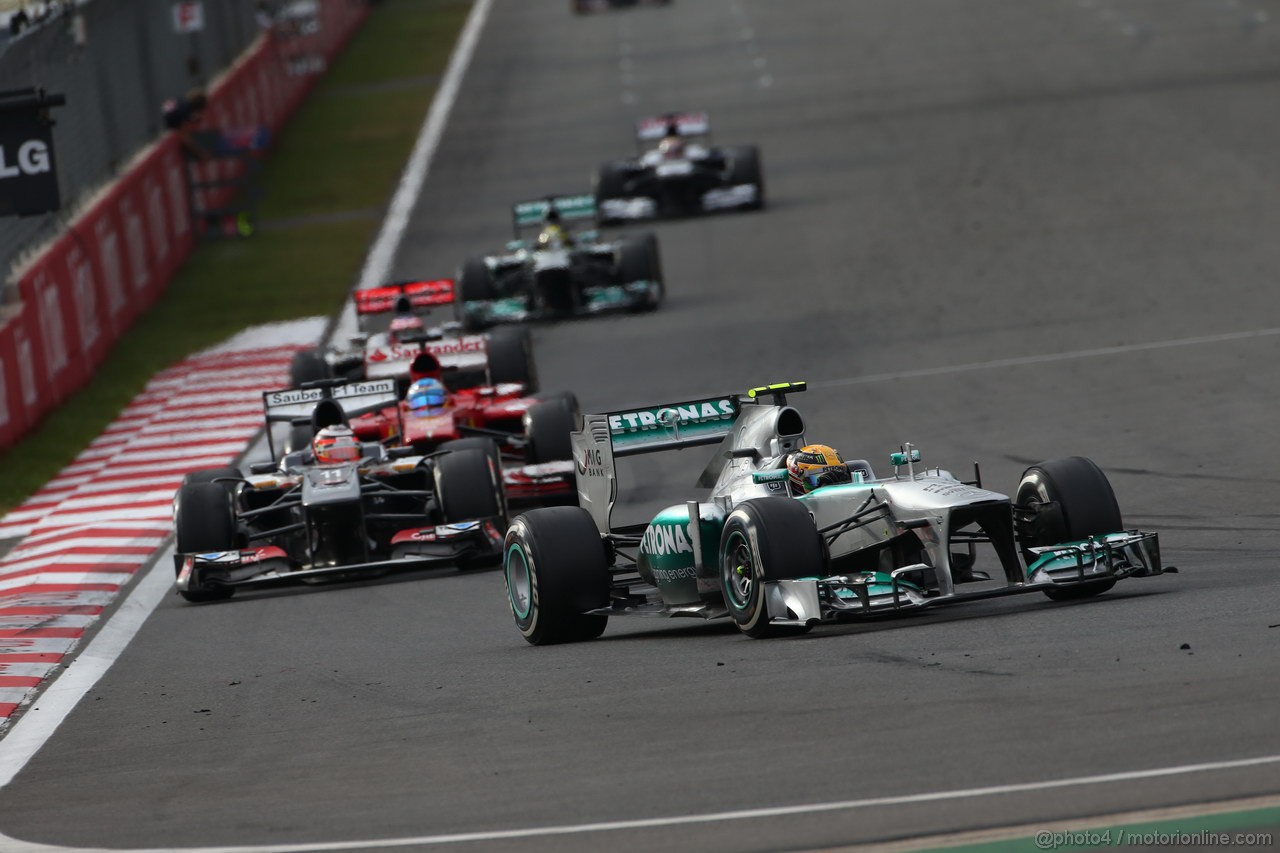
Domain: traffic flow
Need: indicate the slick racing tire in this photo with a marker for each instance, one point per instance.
(766, 539)
(228, 477)
(744, 168)
(556, 570)
(610, 183)
(468, 485)
(489, 448)
(475, 284)
(511, 358)
(205, 523)
(487, 445)
(308, 365)
(1086, 506)
(547, 425)
(639, 260)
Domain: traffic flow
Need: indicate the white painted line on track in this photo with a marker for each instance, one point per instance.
(15, 846)
(378, 263)
(1046, 359)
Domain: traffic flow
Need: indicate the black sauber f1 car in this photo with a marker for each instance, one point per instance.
(681, 176)
(583, 7)
(297, 520)
(562, 273)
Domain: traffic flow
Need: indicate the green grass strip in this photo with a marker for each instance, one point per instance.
(326, 181)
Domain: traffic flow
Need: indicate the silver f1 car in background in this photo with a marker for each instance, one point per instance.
(562, 273)
(296, 520)
(780, 563)
(681, 175)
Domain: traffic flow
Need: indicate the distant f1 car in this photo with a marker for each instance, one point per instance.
(299, 520)
(530, 434)
(781, 563)
(393, 333)
(681, 175)
(560, 274)
(582, 7)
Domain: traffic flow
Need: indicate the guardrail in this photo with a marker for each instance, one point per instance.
(81, 293)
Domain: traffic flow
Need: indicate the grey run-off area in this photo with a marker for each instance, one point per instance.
(949, 184)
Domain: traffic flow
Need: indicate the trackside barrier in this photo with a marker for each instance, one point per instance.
(77, 298)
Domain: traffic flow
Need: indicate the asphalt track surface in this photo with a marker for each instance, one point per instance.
(1003, 230)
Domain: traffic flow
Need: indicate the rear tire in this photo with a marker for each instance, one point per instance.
(511, 358)
(308, 365)
(556, 569)
(1087, 507)
(766, 539)
(547, 425)
(205, 523)
(639, 260)
(744, 168)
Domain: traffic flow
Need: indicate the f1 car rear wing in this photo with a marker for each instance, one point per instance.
(685, 124)
(571, 208)
(353, 398)
(419, 294)
(755, 430)
(605, 437)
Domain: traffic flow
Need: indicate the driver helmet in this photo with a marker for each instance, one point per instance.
(553, 235)
(816, 465)
(405, 324)
(671, 147)
(334, 445)
(427, 397)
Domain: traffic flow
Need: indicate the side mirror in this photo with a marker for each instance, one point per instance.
(262, 468)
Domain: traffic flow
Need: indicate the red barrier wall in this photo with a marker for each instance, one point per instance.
(83, 292)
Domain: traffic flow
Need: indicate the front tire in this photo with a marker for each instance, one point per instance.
(205, 523)
(766, 539)
(610, 183)
(1086, 506)
(469, 487)
(744, 168)
(555, 568)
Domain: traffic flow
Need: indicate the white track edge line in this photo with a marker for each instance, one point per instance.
(677, 820)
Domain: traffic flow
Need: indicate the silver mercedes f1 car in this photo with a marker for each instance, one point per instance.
(777, 562)
(562, 273)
